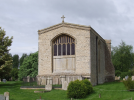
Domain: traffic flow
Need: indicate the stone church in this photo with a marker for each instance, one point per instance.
(75, 52)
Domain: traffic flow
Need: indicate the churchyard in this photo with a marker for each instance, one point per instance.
(108, 91)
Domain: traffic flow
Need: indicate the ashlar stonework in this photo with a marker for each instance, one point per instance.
(74, 51)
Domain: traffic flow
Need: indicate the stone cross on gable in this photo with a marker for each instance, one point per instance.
(63, 19)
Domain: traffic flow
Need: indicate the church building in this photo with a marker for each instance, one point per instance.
(75, 52)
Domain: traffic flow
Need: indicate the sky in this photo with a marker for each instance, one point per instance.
(112, 19)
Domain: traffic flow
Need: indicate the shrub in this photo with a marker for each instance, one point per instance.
(117, 73)
(123, 74)
(76, 89)
(129, 84)
(88, 85)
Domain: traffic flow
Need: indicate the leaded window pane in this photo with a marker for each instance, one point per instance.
(55, 50)
(59, 49)
(73, 49)
(64, 49)
(68, 49)
(64, 45)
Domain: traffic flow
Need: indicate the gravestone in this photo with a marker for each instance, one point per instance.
(49, 84)
(39, 81)
(43, 81)
(132, 78)
(116, 78)
(49, 80)
(2, 97)
(0, 79)
(63, 80)
(65, 85)
(4, 80)
(48, 87)
(126, 77)
(28, 78)
(119, 78)
(6, 94)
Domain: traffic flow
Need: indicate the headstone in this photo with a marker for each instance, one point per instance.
(43, 81)
(49, 80)
(49, 84)
(119, 78)
(4, 80)
(126, 77)
(0, 79)
(116, 78)
(6, 94)
(2, 97)
(65, 85)
(39, 81)
(48, 87)
(28, 78)
(132, 78)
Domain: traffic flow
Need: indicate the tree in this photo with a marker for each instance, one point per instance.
(29, 66)
(24, 55)
(122, 57)
(15, 61)
(14, 73)
(5, 58)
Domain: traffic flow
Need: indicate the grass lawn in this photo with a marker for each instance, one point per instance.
(108, 91)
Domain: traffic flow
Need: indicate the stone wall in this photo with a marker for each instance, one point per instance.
(109, 68)
(82, 49)
(86, 63)
(42, 80)
(108, 42)
(93, 58)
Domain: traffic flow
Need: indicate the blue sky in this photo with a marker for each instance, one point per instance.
(112, 19)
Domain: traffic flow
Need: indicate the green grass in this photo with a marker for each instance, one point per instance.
(108, 91)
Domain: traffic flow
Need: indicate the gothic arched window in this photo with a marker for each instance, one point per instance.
(63, 45)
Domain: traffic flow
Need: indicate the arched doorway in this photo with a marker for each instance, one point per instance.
(64, 54)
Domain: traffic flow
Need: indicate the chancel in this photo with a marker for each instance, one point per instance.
(75, 52)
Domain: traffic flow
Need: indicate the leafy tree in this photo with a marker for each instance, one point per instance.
(15, 61)
(29, 66)
(5, 58)
(122, 57)
(14, 73)
(24, 55)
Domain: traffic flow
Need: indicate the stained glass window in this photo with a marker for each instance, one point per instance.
(64, 45)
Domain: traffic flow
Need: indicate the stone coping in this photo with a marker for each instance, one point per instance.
(63, 74)
(64, 25)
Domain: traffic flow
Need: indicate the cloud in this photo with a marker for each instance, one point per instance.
(112, 19)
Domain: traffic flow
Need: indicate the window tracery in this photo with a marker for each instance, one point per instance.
(64, 45)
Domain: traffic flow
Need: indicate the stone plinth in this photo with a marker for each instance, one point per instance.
(6, 94)
(2, 97)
